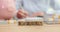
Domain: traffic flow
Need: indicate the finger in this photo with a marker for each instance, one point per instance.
(21, 14)
(24, 14)
(23, 11)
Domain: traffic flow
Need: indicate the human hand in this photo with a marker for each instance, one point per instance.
(22, 14)
(38, 14)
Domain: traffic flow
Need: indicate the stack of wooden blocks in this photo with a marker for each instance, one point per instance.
(30, 22)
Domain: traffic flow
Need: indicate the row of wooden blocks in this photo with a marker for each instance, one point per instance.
(30, 23)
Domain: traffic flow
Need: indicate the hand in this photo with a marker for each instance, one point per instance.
(38, 14)
(22, 14)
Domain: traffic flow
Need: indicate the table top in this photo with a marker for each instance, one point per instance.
(16, 28)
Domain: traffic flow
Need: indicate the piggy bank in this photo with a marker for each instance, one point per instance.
(7, 9)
